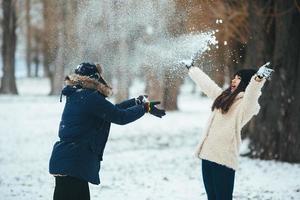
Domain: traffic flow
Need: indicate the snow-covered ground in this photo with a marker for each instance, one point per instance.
(147, 160)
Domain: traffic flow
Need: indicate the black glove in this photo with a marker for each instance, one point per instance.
(141, 99)
(153, 110)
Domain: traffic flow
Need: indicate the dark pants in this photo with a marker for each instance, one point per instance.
(218, 180)
(69, 188)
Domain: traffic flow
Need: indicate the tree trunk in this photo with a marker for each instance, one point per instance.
(153, 83)
(276, 131)
(58, 73)
(36, 62)
(123, 73)
(260, 44)
(8, 82)
(50, 32)
(123, 84)
(288, 65)
(171, 86)
(59, 42)
(37, 49)
(28, 38)
(259, 47)
(66, 29)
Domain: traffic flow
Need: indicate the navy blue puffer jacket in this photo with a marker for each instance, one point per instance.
(84, 130)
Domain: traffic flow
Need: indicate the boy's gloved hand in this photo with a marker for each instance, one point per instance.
(265, 72)
(153, 110)
(141, 99)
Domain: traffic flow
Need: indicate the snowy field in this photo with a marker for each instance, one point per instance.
(150, 159)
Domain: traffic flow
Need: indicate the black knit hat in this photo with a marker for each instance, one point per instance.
(246, 75)
(88, 69)
(91, 70)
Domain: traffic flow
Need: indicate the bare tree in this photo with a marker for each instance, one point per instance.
(37, 49)
(57, 73)
(8, 82)
(28, 37)
(59, 42)
(154, 85)
(230, 21)
(171, 86)
(123, 73)
(50, 33)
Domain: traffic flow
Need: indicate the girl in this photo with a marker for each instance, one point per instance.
(220, 142)
(84, 130)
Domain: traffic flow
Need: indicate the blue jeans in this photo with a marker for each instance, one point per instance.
(218, 180)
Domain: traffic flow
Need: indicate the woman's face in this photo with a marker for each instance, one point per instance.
(235, 83)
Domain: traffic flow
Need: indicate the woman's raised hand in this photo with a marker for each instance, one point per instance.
(265, 72)
(188, 63)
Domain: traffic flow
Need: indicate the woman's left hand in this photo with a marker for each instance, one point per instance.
(265, 72)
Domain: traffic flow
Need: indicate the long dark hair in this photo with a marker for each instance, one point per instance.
(225, 100)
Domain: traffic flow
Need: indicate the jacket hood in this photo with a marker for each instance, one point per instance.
(74, 82)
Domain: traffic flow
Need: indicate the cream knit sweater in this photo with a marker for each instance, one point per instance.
(221, 139)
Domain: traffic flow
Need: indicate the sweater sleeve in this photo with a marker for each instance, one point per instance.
(208, 86)
(249, 104)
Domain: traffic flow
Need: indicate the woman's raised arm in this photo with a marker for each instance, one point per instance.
(208, 86)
